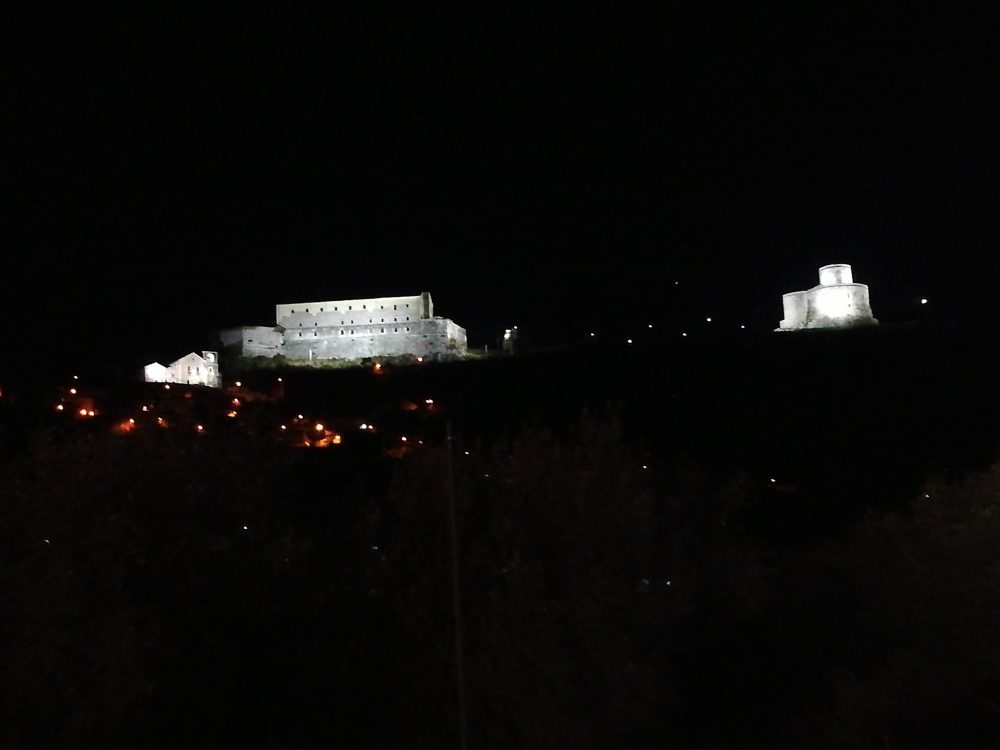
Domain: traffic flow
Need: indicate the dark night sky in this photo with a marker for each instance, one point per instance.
(175, 171)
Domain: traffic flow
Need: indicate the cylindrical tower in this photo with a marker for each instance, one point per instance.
(835, 273)
(796, 308)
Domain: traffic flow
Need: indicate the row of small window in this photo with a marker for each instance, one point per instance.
(351, 332)
(363, 307)
(370, 320)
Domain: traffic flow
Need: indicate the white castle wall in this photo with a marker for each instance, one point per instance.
(418, 337)
(254, 341)
(836, 302)
(835, 273)
(352, 329)
(355, 311)
(796, 309)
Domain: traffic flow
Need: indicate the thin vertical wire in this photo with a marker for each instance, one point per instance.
(456, 597)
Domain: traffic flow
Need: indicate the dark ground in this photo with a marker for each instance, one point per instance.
(631, 575)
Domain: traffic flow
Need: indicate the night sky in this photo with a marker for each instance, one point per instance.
(177, 170)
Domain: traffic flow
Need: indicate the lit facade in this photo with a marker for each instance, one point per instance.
(191, 369)
(351, 329)
(836, 302)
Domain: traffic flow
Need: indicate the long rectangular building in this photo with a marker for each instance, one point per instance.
(352, 329)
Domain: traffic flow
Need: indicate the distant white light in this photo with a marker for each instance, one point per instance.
(76, 377)
(245, 528)
(467, 453)
(923, 300)
(403, 438)
(683, 334)
(279, 380)
(199, 428)
(73, 391)
(428, 401)
(238, 384)
(742, 326)
(708, 320)
(773, 480)
(47, 541)
(628, 341)
(650, 325)
(364, 426)
(592, 333)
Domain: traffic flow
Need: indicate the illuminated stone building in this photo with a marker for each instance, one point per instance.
(351, 329)
(836, 302)
(191, 369)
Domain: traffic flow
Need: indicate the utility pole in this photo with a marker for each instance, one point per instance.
(456, 596)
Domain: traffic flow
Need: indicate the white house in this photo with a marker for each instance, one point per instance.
(155, 373)
(191, 369)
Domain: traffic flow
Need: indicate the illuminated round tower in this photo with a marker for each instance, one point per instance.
(836, 302)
